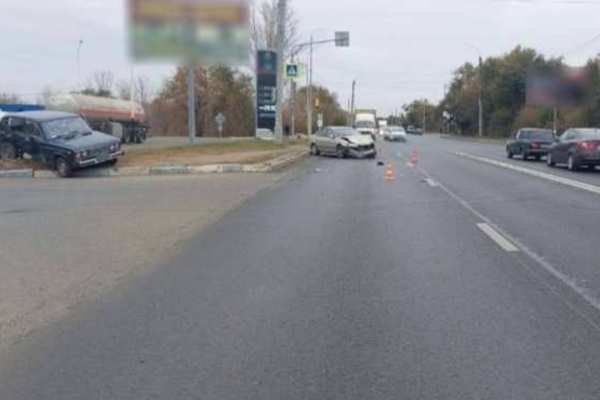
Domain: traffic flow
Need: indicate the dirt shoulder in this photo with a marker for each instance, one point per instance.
(242, 152)
(167, 153)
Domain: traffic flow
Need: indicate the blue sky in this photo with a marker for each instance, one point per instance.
(401, 50)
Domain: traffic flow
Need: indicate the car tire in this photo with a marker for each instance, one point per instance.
(314, 150)
(8, 151)
(63, 169)
(549, 161)
(339, 152)
(509, 154)
(525, 156)
(572, 164)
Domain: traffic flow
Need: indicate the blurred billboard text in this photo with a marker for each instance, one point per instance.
(208, 32)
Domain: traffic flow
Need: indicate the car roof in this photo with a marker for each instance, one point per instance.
(536, 130)
(586, 130)
(340, 127)
(41, 116)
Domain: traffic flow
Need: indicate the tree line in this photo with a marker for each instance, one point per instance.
(504, 82)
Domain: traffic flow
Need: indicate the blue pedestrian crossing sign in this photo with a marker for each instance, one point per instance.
(292, 71)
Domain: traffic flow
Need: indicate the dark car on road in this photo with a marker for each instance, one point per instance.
(530, 142)
(411, 130)
(577, 147)
(63, 141)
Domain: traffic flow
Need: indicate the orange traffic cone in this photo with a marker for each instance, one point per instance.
(389, 173)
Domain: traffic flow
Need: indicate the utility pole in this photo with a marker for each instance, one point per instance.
(191, 103)
(555, 121)
(309, 97)
(480, 98)
(282, 11)
(353, 102)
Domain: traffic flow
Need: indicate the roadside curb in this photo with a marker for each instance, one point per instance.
(274, 165)
(17, 173)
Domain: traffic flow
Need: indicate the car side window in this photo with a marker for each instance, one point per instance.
(16, 125)
(568, 135)
(30, 128)
(3, 125)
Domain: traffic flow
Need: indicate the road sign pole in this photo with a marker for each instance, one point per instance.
(191, 104)
(309, 105)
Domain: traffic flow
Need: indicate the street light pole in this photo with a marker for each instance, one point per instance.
(480, 98)
(79, 62)
(282, 11)
(309, 103)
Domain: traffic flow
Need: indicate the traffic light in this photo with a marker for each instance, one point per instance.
(317, 104)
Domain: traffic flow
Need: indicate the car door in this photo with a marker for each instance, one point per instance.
(320, 141)
(560, 153)
(16, 134)
(511, 145)
(328, 140)
(32, 138)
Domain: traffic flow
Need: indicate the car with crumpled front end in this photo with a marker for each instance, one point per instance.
(342, 142)
(63, 141)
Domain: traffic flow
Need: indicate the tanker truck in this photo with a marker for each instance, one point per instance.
(123, 119)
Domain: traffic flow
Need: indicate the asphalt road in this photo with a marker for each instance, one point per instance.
(456, 280)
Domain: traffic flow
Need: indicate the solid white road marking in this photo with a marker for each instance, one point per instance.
(567, 280)
(498, 238)
(431, 182)
(538, 174)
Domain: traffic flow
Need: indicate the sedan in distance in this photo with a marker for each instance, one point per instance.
(530, 142)
(394, 134)
(341, 141)
(576, 148)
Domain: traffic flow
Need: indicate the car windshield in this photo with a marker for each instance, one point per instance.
(365, 124)
(344, 132)
(65, 127)
(537, 135)
(396, 129)
(588, 134)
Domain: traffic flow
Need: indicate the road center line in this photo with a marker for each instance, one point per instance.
(538, 174)
(498, 238)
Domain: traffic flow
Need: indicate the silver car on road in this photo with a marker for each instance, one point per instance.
(342, 141)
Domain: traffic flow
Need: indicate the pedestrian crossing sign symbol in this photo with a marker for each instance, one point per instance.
(292, 71)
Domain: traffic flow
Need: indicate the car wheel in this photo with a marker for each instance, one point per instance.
(572, 164)
(525, 156)
(63, 168)
(549, 160)
(314, 150)
(339, 152)
(509, 154)
(8, 151)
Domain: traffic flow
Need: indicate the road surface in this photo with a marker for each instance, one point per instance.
(458, 279)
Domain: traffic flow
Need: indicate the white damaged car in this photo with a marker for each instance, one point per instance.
(342, 141)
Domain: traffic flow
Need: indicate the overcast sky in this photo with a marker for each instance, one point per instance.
(401, 50)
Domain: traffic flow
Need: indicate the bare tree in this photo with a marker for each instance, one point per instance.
(142, 90)
(46, 95)
(263, 27)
